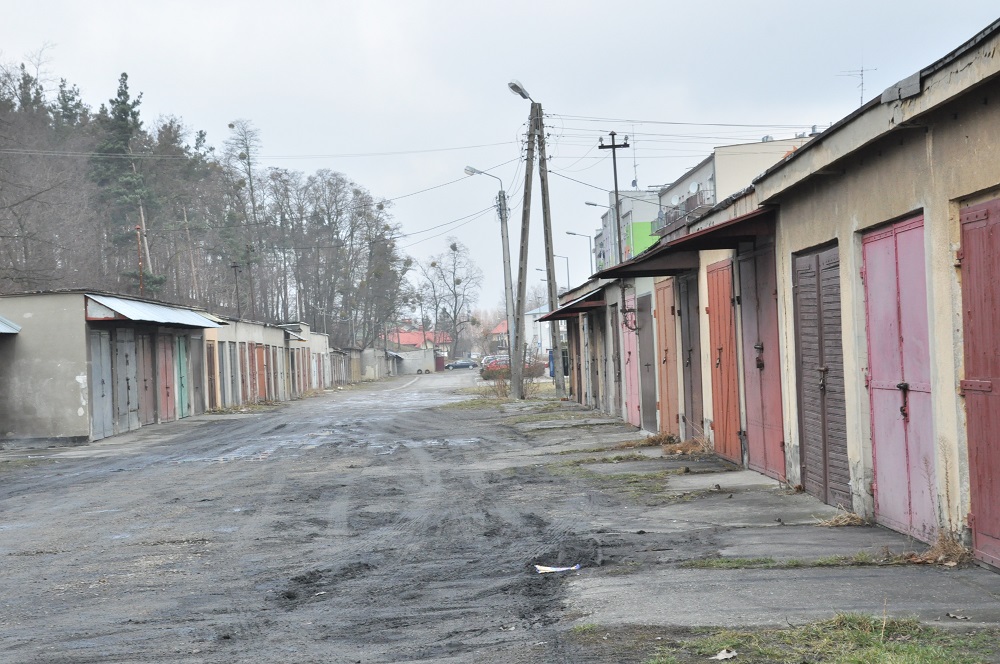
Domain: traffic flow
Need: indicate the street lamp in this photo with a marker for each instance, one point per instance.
(545, 281)
(513, 333)
(569, 283)
(616, 236)
(590, 247)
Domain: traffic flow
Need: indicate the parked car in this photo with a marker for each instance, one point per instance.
(461, 364)
(496, 362)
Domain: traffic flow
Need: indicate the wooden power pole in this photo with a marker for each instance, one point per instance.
(550, 268)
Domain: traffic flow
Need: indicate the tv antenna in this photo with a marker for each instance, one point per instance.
(859, 74)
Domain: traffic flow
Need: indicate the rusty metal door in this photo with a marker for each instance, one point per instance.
(261, 365)
(979, 257)
(275, 387)
(616, 358)
(822, 407)
(250, 396)
(126, 383)
(196, 374)
(761, 364)
(666, 340)
(235, 395)
(183, 390)
(244, 375)
(646, 361)
(692, 416)
(213, 396)
(595, 344)
(146, 378)
(630, 363)
(722, 336)
(899, 381)
(102, 412)
(166, 401)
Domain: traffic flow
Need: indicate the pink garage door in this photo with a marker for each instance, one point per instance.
(630, 364)
(899, 378)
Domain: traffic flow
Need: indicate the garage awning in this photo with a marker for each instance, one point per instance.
(681, 255)
(107, 307)
(592, 300)
(8, 327)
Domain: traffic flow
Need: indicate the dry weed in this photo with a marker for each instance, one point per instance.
(947, 550)
(843, 518)
(697, 445)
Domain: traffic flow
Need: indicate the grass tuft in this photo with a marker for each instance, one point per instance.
(845, 638)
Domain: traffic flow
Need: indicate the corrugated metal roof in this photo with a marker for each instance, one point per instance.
(212, 317)
(150, 312)
(7, 327)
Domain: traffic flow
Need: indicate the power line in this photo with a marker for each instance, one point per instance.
(149, 156)
(449, 230)
(585, 118)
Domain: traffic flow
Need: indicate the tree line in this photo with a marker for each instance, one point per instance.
(88, 196)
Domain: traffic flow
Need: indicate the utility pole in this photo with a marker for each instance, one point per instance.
(550, 261)
(138, 248)
(517, 339)
(508, 287)
(236, 276)
(614, 162)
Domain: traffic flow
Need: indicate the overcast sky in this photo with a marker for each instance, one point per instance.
(400, 96)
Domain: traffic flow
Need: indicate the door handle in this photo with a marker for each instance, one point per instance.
(822, 378)
(904, 410)
(718, 359)
(664, 360)
(759, 347)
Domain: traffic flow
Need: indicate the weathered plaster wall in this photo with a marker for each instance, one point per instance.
(947, 162)
(44, 370)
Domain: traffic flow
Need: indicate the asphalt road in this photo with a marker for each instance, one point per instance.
(378, 524)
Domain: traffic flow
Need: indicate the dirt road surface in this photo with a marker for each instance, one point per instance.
(376, 524)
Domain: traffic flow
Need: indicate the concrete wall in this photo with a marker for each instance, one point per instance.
(373, 364)
(947, 162)
(44, 369)
(416, 360)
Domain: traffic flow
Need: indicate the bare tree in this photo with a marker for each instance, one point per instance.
(453, 280)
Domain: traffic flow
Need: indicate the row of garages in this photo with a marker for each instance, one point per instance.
(835, 325)
(78, 366)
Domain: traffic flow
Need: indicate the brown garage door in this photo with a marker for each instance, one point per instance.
(761, 363)
(692, 415)
(981, 387)
(822, 409)
(666, 340)
(722, 334)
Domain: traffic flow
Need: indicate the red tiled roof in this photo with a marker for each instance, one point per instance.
(418, 338)
(501, 328)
